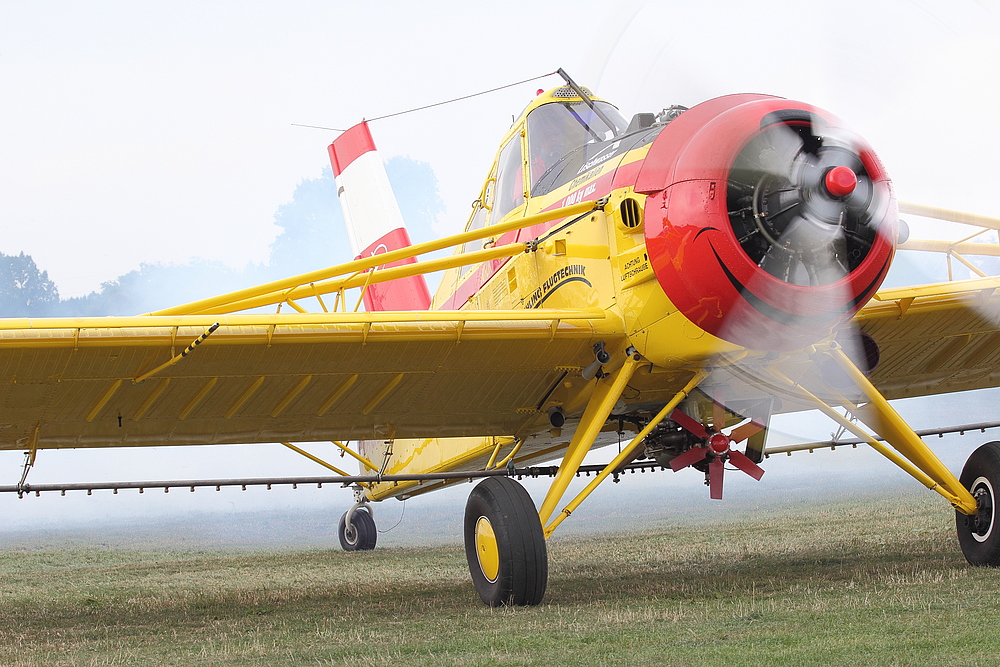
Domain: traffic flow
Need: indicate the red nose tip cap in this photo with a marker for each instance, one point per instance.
(719, 443)
(841, 181)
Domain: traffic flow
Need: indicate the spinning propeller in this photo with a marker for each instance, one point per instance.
(807, 203)
(799, 202)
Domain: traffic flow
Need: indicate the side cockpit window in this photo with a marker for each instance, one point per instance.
(478, 221)
(510, 180)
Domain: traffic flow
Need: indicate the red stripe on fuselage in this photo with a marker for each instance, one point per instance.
(626, 174)
(589, 191)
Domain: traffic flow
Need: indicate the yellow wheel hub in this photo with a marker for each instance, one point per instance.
(487, 549)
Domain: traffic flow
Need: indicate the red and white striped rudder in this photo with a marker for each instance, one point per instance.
(374, 222)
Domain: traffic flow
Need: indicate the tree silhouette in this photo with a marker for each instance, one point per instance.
(24, 290)
(312, 232)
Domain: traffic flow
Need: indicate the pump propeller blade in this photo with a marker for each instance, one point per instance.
(716, 472)
(690, 457)
(690, 424)
(743, 462)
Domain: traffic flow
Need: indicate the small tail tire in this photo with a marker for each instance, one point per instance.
(979, 535)
(504, 544)
(361, 534)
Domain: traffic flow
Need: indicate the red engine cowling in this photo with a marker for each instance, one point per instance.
(767, 223)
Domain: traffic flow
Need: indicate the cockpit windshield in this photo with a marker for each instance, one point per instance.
(560, 130)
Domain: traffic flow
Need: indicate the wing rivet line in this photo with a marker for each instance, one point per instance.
(104, 401)
(336, 395)
(148, 403)
(197, 398)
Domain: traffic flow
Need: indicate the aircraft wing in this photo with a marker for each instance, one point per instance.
(268, 378)
(935, 338)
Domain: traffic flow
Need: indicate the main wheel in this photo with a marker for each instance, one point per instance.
(979, 535)
(504, 544)
(361, 534)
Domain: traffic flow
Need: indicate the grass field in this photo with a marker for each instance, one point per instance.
(879, 583)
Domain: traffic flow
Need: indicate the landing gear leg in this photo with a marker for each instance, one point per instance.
(979, 534)
(504, 544)
(357, 528)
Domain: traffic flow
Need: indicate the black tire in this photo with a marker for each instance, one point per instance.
(980, 535)
(363, 536)
(520, 570)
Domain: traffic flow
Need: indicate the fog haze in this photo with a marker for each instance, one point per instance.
(150, 157)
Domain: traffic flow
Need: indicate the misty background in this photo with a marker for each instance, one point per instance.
(150, 159)
(311, 235)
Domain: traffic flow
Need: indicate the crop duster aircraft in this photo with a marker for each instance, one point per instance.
(673, 280)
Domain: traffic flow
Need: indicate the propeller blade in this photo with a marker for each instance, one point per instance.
(741, 461)
(716, 470)
(779, 147)
(689, 457)
(690, 424)
(718, 415)
(748, 430)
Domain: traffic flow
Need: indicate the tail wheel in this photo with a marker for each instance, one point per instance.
(504, 544)
(360, 534)
(979, 535)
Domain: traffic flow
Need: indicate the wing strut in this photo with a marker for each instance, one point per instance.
(627, 451)
(912, 454)
(606, 395)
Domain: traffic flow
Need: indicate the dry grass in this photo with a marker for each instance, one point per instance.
(878, 582)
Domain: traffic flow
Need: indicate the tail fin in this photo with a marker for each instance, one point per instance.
(374, 223)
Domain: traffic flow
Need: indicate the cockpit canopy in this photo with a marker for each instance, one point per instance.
(563, 136)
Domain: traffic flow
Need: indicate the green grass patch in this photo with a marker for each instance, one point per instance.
(880, 582)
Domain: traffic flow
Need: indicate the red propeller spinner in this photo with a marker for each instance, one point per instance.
(767, 223)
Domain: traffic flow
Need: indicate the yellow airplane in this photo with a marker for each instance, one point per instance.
(679, 277)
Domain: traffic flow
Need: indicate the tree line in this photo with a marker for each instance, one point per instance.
(311, 236)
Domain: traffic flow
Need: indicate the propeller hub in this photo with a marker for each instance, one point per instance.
(840, 181)
(719, 444)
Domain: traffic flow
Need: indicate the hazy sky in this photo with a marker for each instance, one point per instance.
(162, 131)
